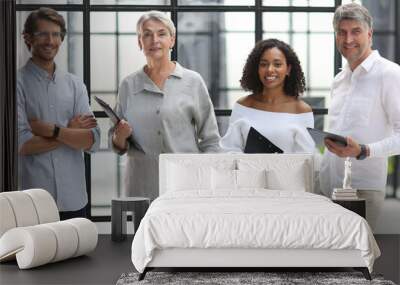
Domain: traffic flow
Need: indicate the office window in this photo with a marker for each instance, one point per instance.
(49, 2)
(217, 2)
(106, 174)
(216, 45)
(384, 26)
(300, 3)
(129, 2)
(214, 38)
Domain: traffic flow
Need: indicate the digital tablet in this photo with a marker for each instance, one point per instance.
(115, 119)
(108, 110)
(319, 137)
(257, 143)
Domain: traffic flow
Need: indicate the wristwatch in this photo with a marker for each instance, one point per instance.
(363, 153)
(56, 131)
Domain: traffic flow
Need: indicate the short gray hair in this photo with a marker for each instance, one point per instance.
(352, 11)
(158, 16)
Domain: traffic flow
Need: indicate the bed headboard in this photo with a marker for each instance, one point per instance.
(296, 169)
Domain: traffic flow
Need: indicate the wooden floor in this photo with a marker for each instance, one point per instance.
(111, 259)
(103, 266)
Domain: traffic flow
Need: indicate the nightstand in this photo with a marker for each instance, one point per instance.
(356, 205)
(119, 207)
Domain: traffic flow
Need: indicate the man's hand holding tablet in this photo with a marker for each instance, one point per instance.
(339, 145)
(320, 136)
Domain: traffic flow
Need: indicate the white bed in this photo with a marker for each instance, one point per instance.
(220, 211)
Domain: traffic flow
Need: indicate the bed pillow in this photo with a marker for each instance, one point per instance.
(251, 178)
(185, 178)
(227, 179)
(293, 181)
(282, 173)
(223, 179)
(186, 174)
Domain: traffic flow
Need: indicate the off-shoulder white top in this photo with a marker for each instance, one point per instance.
(286, 130)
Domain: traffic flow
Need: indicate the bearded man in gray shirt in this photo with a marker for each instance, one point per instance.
(55, 123)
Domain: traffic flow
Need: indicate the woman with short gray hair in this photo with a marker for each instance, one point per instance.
(157, 16)
(164, 106)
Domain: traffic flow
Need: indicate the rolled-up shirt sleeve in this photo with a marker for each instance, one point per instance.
(391, 103)
(24, 129)
(82, 108)
(206, 123)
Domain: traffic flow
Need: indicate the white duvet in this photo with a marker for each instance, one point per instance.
(250, 219)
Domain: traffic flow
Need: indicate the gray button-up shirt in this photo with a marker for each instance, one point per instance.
(57, 100)
(178, 119)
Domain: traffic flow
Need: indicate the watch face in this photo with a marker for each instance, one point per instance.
(363, 153)
(56, 131)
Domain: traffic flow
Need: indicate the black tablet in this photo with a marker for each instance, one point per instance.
(257, 143)
(115, 119)
(319, 137)
(108, 110)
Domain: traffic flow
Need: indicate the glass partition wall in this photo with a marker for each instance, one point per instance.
(214, 38)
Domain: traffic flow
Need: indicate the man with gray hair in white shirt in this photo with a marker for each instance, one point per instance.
(365, 107)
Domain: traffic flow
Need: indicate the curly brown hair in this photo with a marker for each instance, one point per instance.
(43, 13)
(294, 83)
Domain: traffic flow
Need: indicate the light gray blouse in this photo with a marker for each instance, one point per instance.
(178, 119)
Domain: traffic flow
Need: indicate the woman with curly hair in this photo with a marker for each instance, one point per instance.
(274, 76)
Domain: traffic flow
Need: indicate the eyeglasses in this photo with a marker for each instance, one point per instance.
(46, 35)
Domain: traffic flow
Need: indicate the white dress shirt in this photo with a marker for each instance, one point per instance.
(365, 105)
(285, 130)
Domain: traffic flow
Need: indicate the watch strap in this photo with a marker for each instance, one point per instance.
(56, 132)
(363, 152)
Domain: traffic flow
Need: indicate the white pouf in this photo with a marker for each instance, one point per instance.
(30, 230)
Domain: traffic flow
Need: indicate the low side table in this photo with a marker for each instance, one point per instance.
(119, 207)
(356, 205)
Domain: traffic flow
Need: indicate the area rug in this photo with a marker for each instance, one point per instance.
(243, 278)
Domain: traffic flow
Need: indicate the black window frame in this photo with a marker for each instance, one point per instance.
(86, 8)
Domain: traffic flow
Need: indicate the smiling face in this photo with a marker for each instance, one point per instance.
(273, 68)
(353, 40)
(156, 40)
(46, 41)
